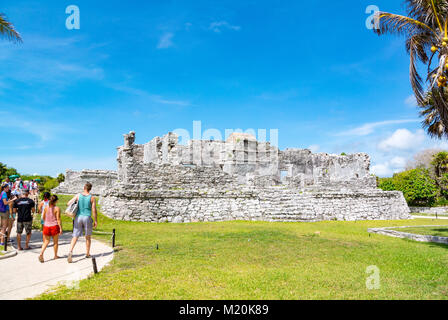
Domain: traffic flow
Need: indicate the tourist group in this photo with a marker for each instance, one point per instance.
(19, 202)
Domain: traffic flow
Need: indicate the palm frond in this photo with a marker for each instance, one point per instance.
(422, 10)
(439, 99)
(398, 24)
(432, 122)
(416, 48)
(8, 31)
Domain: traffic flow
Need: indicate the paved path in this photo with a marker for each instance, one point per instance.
(428, 217)
(23, 276)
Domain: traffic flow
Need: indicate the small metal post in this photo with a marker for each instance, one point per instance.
(6, 242)
(157, 246)
(95, 269)
(113, 238)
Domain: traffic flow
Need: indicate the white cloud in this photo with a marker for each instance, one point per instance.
(18, 123)
(217, 26)
(381, 170)
(388, 168)
(165, 41)
(398, 162)
(53, 164)
(403, 139)
(147, 95)
(369, 128)
(314, 148)
(410, 101)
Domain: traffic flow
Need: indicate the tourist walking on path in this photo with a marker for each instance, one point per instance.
(5, 213)
(52, 227)
(84, 220)
(24, 207)
(44, 204)
(12, 216)
(8, 182)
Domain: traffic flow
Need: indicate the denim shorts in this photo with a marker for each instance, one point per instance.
(80, 224)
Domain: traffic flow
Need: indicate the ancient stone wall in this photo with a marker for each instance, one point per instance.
(270, 204)
(242, 179)
(251, 162)
(75, 181)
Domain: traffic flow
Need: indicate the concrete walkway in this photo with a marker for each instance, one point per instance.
(433, 218)
(23, 276)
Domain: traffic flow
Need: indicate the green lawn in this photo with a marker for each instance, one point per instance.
(260, 260)
(430, 231)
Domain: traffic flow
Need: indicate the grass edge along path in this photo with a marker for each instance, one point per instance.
(262, 260)
(436, 230)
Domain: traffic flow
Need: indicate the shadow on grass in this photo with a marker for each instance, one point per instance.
(428, 244)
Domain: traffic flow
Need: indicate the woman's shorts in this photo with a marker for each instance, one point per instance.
(51, 231)
(80, 224)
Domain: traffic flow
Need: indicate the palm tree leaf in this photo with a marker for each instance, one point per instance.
(416, 48)
(422, 10)
(7, 30)
(398, 24)
(439, 102)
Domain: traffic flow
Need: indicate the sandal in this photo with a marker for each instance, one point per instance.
(41, 259)
(69, 258)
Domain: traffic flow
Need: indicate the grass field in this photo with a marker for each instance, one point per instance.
(431, 231)
(260, 260)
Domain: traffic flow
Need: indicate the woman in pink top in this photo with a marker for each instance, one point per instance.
(52, 227)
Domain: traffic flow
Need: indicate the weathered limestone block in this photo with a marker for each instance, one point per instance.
(237, 179)
(75, 181)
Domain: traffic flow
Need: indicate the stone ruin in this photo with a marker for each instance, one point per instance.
(75, 181)
(238, 179)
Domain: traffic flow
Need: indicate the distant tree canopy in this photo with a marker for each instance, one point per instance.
(46, 182)
(423, 159)
(61, 178)
(5, 171)
(424, 185)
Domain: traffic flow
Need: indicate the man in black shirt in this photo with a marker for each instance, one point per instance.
(24, 207)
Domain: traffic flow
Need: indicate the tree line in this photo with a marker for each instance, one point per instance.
(425, 180)
(46, 184)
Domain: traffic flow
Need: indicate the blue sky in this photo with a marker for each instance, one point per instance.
(310, 69)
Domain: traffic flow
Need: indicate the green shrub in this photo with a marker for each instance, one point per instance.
(61, 178)
(387, 184)
(49, 184)
(418, 187)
